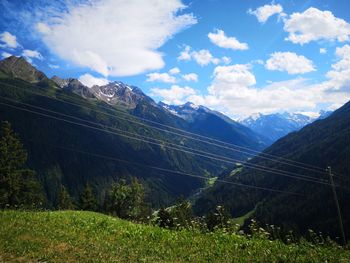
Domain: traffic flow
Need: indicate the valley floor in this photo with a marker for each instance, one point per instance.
(76, 236)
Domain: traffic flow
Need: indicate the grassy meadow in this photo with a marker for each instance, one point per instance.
(77, 236)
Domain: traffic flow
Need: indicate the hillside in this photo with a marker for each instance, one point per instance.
(97, 130)
(69, 236)
(321, 144)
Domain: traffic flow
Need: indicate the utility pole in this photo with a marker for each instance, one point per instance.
(340, 221)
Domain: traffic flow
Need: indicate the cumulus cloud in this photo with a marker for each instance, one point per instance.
(323, 51)
(185, 54)
(202, 57)
(7, 40)
(314, 24)
(29, 54)
(289, 62)
(263, 13)
(221, 40)
(174, 95)
(233, 91)
(160, 77)
(190, 77)
(89, 80)
(115, 37)
(237, 75)
(339, 75)
(174, 71)
(5, 54)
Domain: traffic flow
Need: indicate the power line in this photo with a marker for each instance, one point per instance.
(261, 155)
(80, 124)
(340, 221)
(221, 158)
(176, 172)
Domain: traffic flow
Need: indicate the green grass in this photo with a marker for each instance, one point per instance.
(211, 181)
(72, 236)
(240, 220)
(236, 171)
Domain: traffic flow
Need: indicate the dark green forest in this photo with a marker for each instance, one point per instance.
(61, 149)
(321, 144)
(74, 140)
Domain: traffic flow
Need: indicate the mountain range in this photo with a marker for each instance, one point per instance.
(290, 186)
(277, 125)
(75, 134)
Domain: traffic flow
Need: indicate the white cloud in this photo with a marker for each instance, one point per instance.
(115, 37)
(5, 55)
(221, 40)
(323, 51)
(226, 60)
(202, 57)
(339, 75)
(190, 77)
(89, 80)
(185, 54)
(174, 71)
(233, 91)
(314, 24)
(53, 66)
(43, 28)
(289, 62)
(161, 77)
(29, 54)
(263, 13)
(8, 40)
(237, 75)
(174, 95)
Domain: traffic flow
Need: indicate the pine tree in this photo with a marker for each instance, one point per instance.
(87, 199)
(18, 185)
(64, 200)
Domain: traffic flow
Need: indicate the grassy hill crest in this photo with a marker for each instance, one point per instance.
(77, 236)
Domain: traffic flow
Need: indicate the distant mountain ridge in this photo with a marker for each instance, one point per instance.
(99, 105)
(203, 119)
(277, 125)
(300, 158)
(113, 93)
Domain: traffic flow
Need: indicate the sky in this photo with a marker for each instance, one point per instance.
(237, 57)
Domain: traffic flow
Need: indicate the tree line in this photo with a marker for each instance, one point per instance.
(21, 189)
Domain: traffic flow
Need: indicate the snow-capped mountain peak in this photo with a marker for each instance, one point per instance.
(277, 125)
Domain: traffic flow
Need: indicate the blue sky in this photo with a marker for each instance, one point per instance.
(239, 57)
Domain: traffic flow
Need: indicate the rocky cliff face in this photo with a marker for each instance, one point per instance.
(73, 85)
(18, 67)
